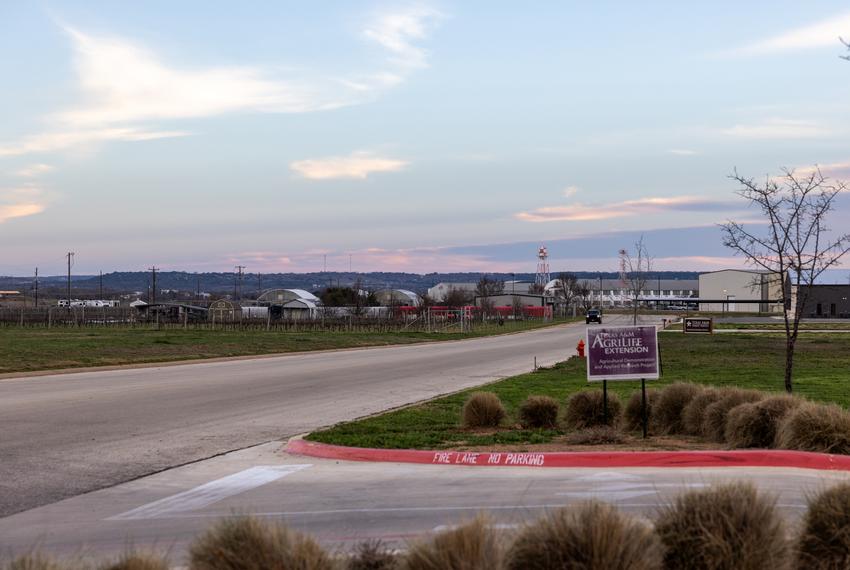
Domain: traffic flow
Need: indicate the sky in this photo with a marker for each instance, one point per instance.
(395, 136)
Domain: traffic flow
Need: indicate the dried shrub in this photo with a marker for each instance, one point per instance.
(728, 527)
(823, 428)
(824, 542)
(473, 546)
(138, 561)
(667, 412)
(33, 561)
(592, 536)
(693, 416)
(539, 412)
(755, 424)
(598, 435)
(714, 420)
(483, 409)
(246, 543)
(633, 416)
(586, 409)
(372, 555)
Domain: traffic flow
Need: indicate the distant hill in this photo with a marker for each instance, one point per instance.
(223, 283)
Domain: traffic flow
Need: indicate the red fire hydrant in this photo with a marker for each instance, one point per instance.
(580, 347)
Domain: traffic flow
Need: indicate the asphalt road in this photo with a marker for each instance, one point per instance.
(63, 435)
(344, 503)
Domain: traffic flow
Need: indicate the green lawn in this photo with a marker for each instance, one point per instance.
(30, 349)
(754, 361)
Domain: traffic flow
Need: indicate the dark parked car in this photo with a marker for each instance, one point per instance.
(593, 316)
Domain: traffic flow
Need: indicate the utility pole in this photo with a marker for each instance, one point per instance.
(197, 289)
(101, 286)
(70, 256)
(237, 291)
(259, 284)
(36, 286)
(153, 269)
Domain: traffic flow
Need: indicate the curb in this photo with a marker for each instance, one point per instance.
(602, 459)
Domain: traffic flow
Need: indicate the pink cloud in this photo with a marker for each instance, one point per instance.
(579, 212)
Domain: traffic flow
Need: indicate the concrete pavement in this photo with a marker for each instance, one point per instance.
(343, 503)
(67, 434)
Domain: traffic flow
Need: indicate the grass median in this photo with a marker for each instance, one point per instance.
(822, 373)
(33, 349)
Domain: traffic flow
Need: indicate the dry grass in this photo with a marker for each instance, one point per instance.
(729, 527)
(632, 416)
(592, 536)
(824, 542)
(598, 435)
(138, 561)
(823, 428)
(246, 543)
(714, 420)
(667, 411)
(586, 409)
(483, 409)
(539, 412)
(693, 416)
(34, 561)
(755, 424)
(473, 546)
(372, 555)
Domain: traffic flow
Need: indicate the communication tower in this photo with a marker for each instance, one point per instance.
(623, 273)
(542, 277)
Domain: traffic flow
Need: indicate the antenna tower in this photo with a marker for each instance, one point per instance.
(542, 277)
(623, 276)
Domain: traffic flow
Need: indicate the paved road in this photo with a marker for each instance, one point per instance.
(62, 435)
(343, 503)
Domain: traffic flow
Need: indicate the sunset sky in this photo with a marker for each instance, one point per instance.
(444, 136)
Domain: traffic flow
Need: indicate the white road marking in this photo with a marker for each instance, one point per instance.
(209, 493)
(496, 526)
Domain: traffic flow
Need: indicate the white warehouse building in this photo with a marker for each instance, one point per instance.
(734, 290)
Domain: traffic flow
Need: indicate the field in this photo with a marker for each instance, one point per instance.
(24, 349)
(753, 361)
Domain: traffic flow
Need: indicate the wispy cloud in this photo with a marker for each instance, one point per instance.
(824, 33)
(837, 170)
(778, 129)
(20, 202)
(128, 91)
(682, 152)
(34, 170)
(571, 191)
(579, 212)
(358, 165)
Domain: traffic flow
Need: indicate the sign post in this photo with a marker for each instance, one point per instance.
(623, 353)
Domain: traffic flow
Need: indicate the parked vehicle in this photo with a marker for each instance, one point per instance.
(593, 316)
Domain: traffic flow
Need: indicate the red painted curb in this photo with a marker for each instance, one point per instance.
(740, 458)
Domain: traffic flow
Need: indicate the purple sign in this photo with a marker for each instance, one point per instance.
(622, 353)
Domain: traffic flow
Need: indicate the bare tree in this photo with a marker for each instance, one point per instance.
(798, 245)
(566, 288)
(638, 265)
(484, 290)
(457, 298)
(583, 294)
(847, 45)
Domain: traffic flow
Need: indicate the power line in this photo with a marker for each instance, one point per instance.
(237, 292)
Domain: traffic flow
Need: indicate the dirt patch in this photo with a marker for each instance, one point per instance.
(630, 443)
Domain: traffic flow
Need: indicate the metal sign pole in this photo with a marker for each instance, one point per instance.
(643, 404)
(605, 400)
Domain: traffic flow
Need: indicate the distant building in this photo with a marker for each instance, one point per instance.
(826, 301)
(616, 293)
(281, 296)
(439, 292)
(741, 291)
(397, 297)
(225, 310)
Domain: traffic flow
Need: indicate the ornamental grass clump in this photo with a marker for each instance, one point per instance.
(539, 412)
(714, 420)
(483, 409)
(592, 536)
(824, 542)
(246, 543)
(823, 428)
(671, 402)
(138, 561)
(728, 527)
(372, 555)
(472, 546)
(755, 424)
(693, 416)
(33, 561)
(586, 409)
(633, 415)
(597, 435)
